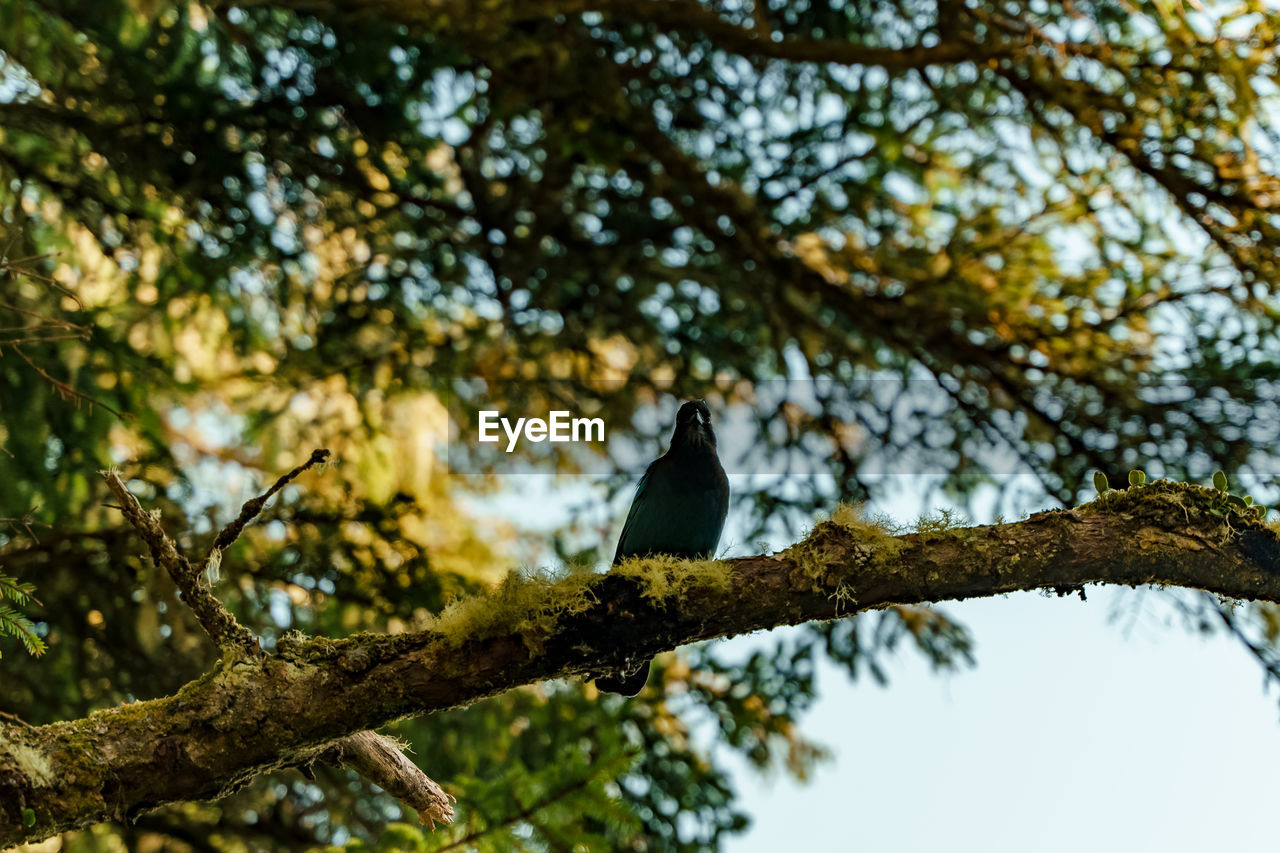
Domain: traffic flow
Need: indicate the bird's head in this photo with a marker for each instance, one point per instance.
(693, 425)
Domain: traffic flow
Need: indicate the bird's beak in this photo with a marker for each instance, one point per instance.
(704, 427)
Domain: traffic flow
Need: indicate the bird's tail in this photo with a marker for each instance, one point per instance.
(627, 684)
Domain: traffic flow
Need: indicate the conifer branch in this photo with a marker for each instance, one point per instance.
(15, 623)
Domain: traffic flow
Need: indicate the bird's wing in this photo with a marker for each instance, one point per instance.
(636, 501)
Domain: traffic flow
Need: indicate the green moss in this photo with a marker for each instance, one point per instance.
(664, 578)
(531, 604)
(1162, 498)
(526, 603)
(869, 543)
(853, 519)
(932, 527)
(303, 648)
(130, 713)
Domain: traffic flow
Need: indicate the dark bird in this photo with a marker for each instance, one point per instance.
(678, 509)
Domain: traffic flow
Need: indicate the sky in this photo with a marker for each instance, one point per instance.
(1101, 725)
(1072, 733)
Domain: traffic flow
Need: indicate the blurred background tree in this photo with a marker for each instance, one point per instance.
(236, 233)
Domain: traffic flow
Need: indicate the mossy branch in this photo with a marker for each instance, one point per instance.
(375, 757)
(290, 708)
(230, 636)
(227, 633)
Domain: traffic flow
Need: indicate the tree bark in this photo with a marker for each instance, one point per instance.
(261, 713)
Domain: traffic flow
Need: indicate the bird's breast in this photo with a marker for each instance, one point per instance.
(682, 511)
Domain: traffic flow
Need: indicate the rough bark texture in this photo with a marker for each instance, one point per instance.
(267, 712)
(382, 760)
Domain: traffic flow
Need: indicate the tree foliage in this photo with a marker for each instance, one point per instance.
(236, 233)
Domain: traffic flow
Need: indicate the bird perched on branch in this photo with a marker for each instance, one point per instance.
(678, 509)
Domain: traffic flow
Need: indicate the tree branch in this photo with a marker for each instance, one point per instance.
(284, 710)
(376, 758)
(228, 634)
(380, 760)
(253, 508)
(689, 15)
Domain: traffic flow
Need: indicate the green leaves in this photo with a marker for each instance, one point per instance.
(1137, 477)
(1225, 501)
(1220, 504)
(570, 805)
(12, 621)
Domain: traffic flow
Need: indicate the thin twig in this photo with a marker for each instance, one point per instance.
(44, 329)
(63, 388)
(252, 508)
(24, 522)
(15, 719)
(228, 535)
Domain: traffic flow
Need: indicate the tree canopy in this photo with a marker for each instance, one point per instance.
(235, 234)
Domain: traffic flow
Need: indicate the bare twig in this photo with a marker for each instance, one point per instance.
(24, 523)
(230, 636)
(252, 508)
(65, 390)
(41, 327)
(15, 719)
(381, 760)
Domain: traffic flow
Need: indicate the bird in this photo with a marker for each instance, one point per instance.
(678, 510)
